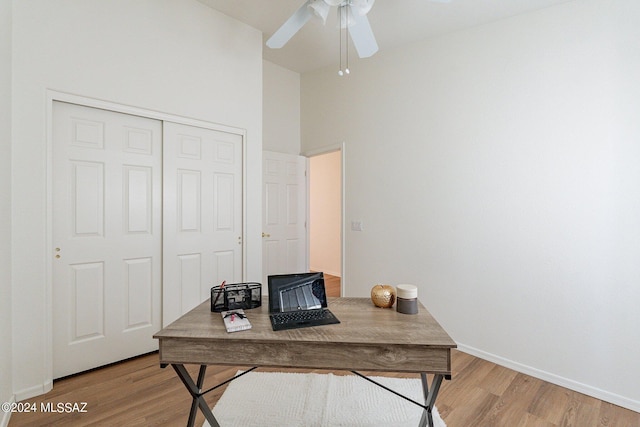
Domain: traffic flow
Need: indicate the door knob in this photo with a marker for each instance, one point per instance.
(265, 234)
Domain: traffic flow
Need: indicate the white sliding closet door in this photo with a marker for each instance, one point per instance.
(106, 235)
(203, 227)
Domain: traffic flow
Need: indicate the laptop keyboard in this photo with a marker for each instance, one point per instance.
(300, 316)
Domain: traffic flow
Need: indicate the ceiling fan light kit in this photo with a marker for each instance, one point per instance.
(320, 9)
(352, 17)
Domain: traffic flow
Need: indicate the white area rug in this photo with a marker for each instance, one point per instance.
(269, 399)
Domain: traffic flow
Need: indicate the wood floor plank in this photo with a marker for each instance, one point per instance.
(530, 420)
(550, 403)
(470, 410)
(580, 413)
(498, 380)
(613, 416)
(467, 378)
(514, 402)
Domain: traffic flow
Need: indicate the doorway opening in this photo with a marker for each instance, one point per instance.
(325, 218)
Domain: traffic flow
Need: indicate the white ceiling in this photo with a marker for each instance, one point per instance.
(394, 23)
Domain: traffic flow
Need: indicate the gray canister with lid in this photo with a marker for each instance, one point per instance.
(407, 299)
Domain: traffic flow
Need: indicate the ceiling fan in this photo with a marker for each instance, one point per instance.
(352, 16)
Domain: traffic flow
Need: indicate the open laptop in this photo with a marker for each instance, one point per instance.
(298, 301)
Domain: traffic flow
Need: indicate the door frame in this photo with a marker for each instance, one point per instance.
(53, 96)
(316, 152)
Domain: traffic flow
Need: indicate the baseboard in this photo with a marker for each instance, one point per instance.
(30, 392)
(4, 422)
(604, 395)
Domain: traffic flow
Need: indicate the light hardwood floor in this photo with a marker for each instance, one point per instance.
(138, 392)
(332, 285)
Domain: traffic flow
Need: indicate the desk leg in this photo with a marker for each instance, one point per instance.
(194, 404)
(198, 397)
(429, 398)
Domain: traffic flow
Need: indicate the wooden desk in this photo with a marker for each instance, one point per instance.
(368, 338)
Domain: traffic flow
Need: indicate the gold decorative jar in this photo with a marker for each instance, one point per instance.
(383, 296)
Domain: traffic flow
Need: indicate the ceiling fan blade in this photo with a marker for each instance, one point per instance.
(362, 35)
(291, 26)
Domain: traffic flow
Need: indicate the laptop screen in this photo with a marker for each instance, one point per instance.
(293, 292)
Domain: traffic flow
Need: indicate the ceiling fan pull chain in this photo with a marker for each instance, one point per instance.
(346, 41)
(343, 18)
(340, 38)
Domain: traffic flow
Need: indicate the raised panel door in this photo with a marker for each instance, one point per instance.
(203, 240)
(106, 235)
(284, 237)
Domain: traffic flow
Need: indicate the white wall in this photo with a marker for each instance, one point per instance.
(497, 169)
(6, 391)
(325, 209)
(281, 109)
(172, 56)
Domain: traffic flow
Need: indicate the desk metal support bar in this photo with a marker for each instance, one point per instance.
(229, 380)
(389, 390)
(429, 395)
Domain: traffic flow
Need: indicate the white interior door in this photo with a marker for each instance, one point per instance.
(106, 235)
(284, 214)
(203, 221)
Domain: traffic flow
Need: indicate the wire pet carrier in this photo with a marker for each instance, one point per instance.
(236, 295)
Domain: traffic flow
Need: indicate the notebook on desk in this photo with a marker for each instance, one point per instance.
(298, 301)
